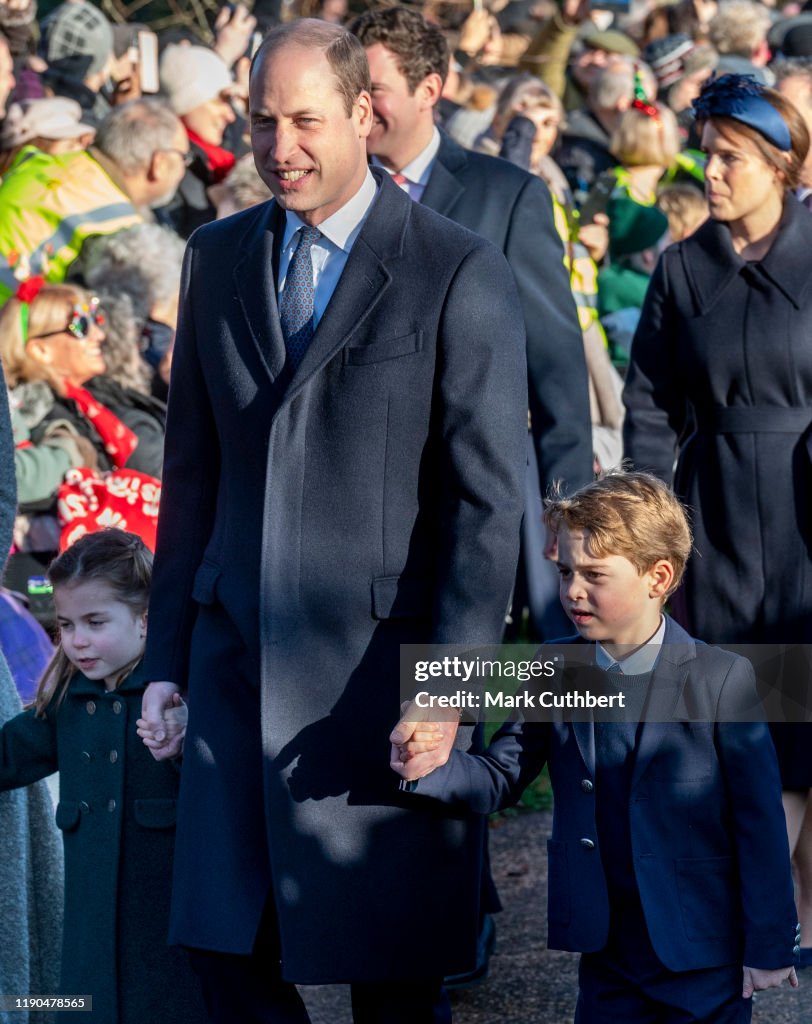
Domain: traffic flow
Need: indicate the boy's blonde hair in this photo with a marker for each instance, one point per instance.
(630, 514)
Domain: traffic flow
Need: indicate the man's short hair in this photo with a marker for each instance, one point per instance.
(132, 132)
(419, 48)
(344, 53)
(792, 67)
(630, 514)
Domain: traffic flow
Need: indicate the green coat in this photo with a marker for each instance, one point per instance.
(117, 815)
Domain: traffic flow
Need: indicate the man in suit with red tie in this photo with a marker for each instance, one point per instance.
(344, 466)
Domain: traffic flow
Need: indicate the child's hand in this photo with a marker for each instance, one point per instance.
(419, 745)
(756, 980)
(163, 735)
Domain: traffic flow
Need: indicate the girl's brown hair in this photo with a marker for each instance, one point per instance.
(124, 563)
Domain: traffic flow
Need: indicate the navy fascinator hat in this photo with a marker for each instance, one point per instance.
(741, 98)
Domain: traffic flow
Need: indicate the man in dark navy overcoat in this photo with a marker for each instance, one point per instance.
(324, 503)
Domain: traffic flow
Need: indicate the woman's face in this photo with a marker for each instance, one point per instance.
(547, 123)
(739, 183)
(75, 359)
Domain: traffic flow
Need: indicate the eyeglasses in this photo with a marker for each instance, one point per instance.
(186, 154)
(81, 319)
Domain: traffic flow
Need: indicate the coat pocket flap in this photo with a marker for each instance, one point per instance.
(67, 815)
(390, 348)
(204, 588)
(396, 597)
(156, 813)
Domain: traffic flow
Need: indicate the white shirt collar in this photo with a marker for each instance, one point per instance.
(640, 662)
(419, 169)
(342, 227)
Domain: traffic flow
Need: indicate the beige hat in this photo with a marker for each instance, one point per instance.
(191, 76)
(54, 117)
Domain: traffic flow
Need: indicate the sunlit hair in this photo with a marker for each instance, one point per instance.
(685, 206)
(343, 51)
(791, 163)
(49, 311)
(739, 27)
(124, 563)
(641, 140)
(629, 514)
(419, 47)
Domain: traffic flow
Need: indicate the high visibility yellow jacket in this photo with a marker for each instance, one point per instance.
(49, 205)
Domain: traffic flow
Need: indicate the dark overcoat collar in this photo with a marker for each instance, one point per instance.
(362, 285)
(711, 263)
(443, 187)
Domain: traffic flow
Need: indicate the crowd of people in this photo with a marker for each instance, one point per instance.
(511, 250)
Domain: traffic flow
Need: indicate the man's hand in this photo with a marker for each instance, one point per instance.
(233, 33)
(161, 731)
(595, 237)
(420, 745)
(756, 980)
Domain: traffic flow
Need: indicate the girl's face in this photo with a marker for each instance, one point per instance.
(547, 123)
(100, 633)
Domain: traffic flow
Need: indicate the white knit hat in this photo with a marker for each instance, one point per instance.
(191, 76)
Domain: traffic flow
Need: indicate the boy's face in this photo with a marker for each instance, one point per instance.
(605, 597)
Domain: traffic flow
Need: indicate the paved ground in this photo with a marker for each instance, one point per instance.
(528, 984)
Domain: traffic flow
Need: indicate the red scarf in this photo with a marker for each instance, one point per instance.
(218, 160)
(119, 441)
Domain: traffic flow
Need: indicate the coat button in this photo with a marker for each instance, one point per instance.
(113, 756)
(116, 707)
(91, 707)
(85, 757)
(111, 805)
(587, 844)
(586, 785)
(796, 950)
(84, 807)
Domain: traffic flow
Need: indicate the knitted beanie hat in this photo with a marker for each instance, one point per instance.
(53, 117)
(191, 76)
(79, 35)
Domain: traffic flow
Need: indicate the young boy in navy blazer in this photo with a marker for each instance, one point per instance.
(669, 867)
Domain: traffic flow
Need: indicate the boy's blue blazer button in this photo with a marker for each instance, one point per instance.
(84, 807)
(85, 757)
(90, 707)
(796, 950)
(117, 707)
(588, 844)
(586, 785)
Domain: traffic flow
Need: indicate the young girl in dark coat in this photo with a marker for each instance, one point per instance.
(117, 804)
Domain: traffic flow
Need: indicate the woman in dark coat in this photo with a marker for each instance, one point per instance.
(721, 379)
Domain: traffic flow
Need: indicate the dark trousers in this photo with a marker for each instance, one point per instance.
(627, 984)
(250, 989)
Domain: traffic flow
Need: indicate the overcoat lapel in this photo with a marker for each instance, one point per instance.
(364, 280)
(443, 188)
(255, 283)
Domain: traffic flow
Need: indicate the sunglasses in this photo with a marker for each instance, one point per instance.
(81, 318)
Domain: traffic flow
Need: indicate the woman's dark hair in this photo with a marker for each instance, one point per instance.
(122, 561)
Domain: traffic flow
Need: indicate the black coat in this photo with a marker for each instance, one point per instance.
(117, 815)
(143, 414)
(309, 526)
(721, 379)
(513, 209)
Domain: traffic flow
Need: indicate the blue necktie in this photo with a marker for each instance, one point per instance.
(296, 308)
